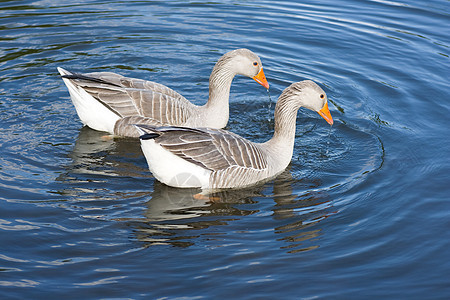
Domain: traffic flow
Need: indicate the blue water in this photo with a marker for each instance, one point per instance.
(363, 211)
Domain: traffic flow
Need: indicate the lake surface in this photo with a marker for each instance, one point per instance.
(363, 211)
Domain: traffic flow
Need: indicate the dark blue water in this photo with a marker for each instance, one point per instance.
(363, 212)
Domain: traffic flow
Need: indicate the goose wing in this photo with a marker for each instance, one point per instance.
(134, 97)
(213, 149)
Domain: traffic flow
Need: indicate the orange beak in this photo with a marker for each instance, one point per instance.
(261, 79)
(325, 113)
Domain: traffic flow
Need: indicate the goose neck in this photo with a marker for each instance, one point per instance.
(285, 125)
(219, 86)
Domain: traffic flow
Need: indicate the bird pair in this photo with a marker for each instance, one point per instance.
(183, 143)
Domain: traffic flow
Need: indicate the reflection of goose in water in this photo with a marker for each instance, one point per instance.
(168, 204)
(93, 153)
(99, 167)
(177, 217)
(173, 213)
(302, 212)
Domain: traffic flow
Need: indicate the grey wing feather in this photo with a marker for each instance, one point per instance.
(166, 109)
(212, 149)
(126, 126)
(134, 83)
(131, 97)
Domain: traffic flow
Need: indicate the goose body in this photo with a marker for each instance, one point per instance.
(110, 102)
(213, 159)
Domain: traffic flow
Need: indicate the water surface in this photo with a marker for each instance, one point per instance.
(361, 212)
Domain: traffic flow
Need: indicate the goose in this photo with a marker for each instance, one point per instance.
(110, 102)
(213, 159)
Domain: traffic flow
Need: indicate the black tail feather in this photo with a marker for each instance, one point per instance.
(75, 76)
(147, 131)
(149, 136)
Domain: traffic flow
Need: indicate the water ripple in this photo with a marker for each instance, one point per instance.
(363, 203)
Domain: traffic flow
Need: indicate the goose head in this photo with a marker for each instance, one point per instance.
(243, 62)
(309, 95)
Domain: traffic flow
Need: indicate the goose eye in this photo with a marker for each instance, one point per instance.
(322, 96)
(255, 63)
